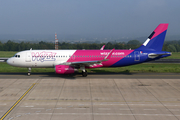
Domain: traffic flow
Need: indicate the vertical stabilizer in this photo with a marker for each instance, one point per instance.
(156, 39)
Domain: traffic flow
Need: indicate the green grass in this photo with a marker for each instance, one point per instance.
(5, 68)
(7, 54)
(144, 68)
(175, 55)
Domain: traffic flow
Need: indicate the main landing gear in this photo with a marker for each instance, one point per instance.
(84, 71)
(29, 71)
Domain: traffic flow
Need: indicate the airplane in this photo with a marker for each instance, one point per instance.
(69, 61)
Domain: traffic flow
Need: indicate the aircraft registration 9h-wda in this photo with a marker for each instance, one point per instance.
(69, 61)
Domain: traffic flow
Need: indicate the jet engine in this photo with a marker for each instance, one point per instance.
(64, 69)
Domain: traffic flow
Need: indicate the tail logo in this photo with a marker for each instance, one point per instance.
(149, 38)
(156, 39)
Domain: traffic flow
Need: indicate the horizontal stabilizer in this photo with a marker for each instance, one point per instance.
(3, 59)
(154, 55)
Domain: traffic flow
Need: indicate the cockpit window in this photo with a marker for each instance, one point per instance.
(17, 56)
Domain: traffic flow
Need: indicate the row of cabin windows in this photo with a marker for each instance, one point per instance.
(104, 56)
(50, 56)
(84, 56)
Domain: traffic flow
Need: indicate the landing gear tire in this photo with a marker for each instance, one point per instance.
(29, 74)
(29, 71)
(84, 74)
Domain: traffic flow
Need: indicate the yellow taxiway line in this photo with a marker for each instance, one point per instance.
(17, 102)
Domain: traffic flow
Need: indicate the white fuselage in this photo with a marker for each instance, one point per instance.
(40, 58)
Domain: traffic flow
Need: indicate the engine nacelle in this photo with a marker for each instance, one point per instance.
(64, 69)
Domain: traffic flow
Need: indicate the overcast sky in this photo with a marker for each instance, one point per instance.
(79, 17)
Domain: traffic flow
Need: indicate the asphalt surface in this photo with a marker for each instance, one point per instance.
(136, 96)
(93, 75)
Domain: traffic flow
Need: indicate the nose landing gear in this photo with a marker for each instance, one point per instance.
(29, 71)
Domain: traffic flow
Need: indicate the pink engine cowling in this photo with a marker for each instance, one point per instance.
(64, 69)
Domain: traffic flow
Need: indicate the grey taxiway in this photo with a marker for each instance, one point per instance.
(96, 97)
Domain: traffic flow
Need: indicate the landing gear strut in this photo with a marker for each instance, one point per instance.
(84, 73)
(29, 71)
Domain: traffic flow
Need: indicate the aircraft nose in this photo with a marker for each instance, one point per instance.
(9, 61)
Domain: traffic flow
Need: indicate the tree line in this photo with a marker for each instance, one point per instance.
(171, 46)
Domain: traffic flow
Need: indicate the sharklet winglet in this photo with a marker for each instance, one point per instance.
(102, 48)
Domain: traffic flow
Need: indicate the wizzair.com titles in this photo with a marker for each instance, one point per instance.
(114, 53)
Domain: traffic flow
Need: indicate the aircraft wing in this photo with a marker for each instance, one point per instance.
(88, 63)
(3, 59)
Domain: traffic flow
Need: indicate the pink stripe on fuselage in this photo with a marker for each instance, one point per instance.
(161, 28)
(93, 55)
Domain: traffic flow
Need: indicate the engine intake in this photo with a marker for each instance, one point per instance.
(64, 69)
